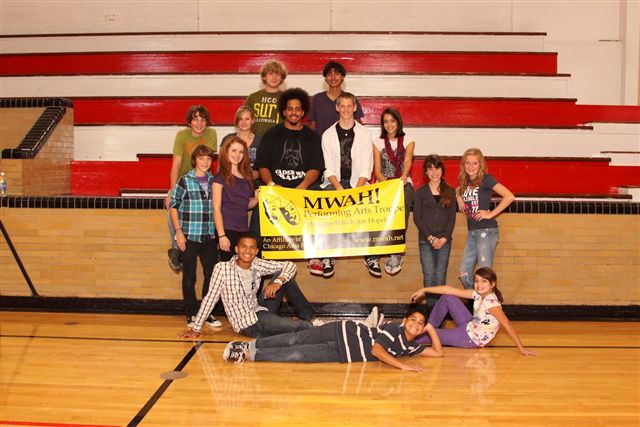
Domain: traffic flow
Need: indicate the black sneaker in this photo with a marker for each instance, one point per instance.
(328, 267)
(239, 345)
(174, 260)
(191, 322)
(373, 265)
(212, 322)
(233, 355)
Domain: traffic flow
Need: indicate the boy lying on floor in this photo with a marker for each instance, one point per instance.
(345, 342)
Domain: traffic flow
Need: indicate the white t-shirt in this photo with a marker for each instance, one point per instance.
(379, 144)
(484, 326)
(246, 278)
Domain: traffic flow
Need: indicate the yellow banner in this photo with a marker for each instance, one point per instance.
(366, 220)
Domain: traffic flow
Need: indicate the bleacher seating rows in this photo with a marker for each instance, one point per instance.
(524, 176)
(148, 87)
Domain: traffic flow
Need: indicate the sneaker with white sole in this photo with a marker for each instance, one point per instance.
(174, 260)
(372, 320)
(380, 320)
(373, 265)
(393, 264)
(191, 322)
(212, 322)
(315, 267)
(328, 267)
(238, 345)
(236, 356)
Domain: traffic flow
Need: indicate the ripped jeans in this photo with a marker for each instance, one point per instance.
(478, 252)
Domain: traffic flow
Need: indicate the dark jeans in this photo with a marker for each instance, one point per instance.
(317, 345)
(233, 237)
(269, 324)
(295, 297)
(208, 254)
(408, 202)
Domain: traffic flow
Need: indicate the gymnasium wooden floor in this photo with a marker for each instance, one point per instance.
(60, 369)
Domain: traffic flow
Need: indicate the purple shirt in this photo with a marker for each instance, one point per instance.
(235, 201)
(324, 113)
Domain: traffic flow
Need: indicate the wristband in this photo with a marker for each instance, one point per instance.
(221, 236)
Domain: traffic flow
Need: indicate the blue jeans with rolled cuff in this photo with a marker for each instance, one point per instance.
(478, 252)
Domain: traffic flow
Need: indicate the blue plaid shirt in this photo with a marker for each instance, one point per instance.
(195, 207)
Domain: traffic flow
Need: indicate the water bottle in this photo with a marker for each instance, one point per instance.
(3, 184)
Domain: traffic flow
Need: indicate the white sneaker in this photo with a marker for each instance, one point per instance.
(393, 264)
(372, 320)
(380, 320)
(212, 322)
(318, 322)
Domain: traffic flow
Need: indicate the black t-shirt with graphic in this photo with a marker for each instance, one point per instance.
(479, 198)
(289, 154)
(345, 137)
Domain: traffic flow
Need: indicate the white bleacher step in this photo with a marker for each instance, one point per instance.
(241, 85)
(150, 193)
(274, 42)
(623, 158)
(632, 190)
(125, 142)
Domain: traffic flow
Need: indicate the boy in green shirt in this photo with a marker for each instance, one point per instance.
(264, 103)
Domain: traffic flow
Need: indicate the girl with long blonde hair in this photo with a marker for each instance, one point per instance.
(476, 187)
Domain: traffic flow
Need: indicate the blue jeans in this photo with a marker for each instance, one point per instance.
(269, 324)
(478, 252)
(315, 345)
(295, 297)
(434, 266)
(172, 231)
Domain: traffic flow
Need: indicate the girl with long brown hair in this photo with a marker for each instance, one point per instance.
(471, 331)
(233, 195)
(434, 212)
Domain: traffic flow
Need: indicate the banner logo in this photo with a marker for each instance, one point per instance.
(278, 209)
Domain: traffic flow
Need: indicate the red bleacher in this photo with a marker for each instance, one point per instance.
(534, 176)
(480, 112)
(523, 175)
(494, 63)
